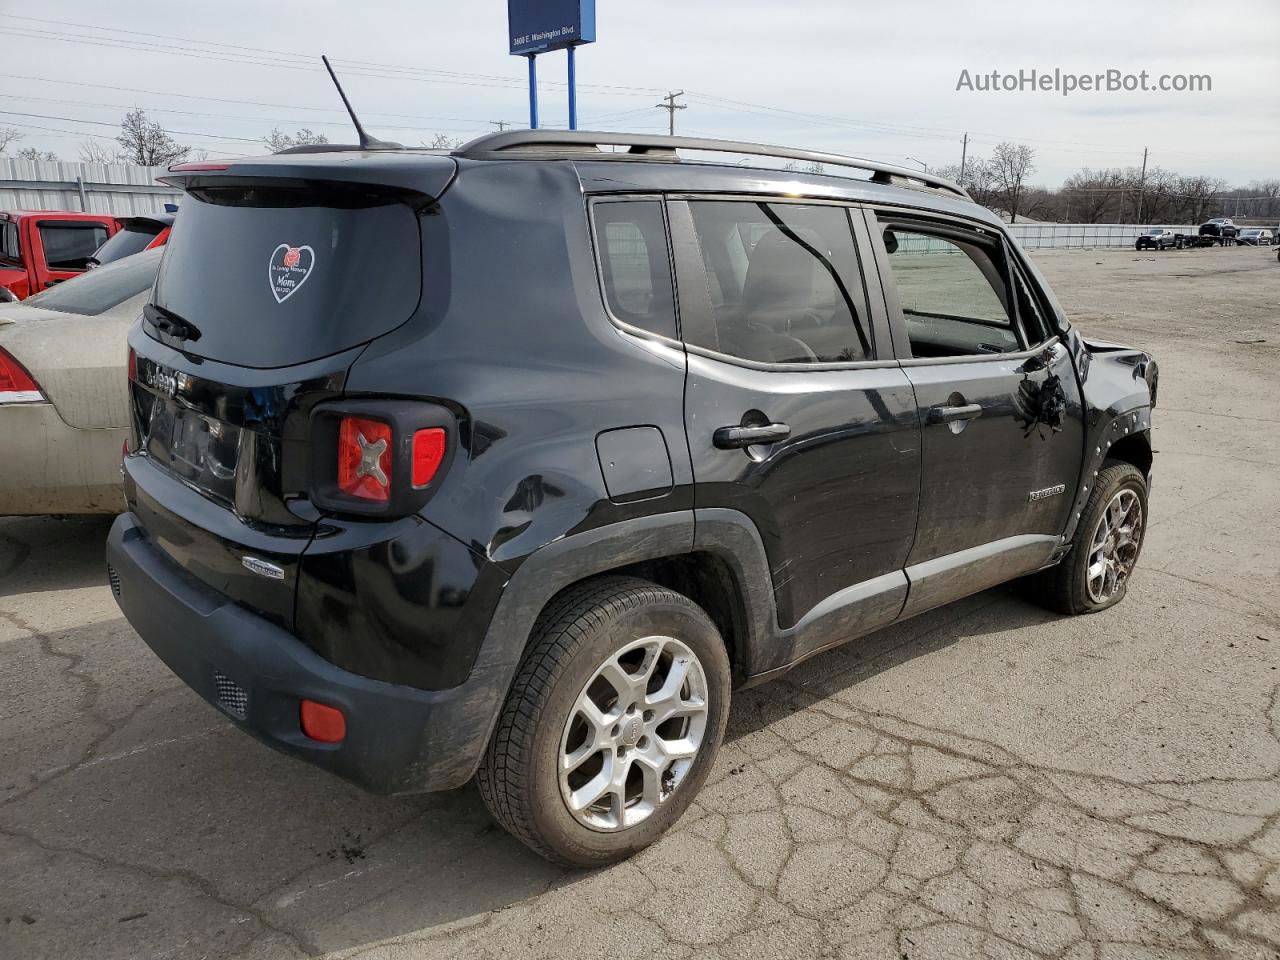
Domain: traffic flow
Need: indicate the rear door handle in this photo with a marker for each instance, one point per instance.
(737, 437)
(970, 411)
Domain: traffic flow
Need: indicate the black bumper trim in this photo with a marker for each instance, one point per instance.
(399, 739)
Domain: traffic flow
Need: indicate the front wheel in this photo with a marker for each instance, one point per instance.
(612, 723)
(1095, 574)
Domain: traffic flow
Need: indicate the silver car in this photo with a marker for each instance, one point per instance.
(64, 390)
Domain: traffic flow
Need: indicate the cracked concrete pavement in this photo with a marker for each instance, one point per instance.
(988, 780)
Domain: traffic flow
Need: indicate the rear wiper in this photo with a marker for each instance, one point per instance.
(168, 322)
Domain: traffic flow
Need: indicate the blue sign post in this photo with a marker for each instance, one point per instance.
(539, 26)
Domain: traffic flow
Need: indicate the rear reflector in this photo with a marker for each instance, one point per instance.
(323, 723)
(364, 458)
(16, 385)
(428, 452)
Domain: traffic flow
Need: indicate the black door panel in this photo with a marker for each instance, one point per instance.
(835, 502)
(981, 472)
(790, 417)
(1002, 435)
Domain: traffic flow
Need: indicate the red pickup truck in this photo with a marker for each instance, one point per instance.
(39, 248)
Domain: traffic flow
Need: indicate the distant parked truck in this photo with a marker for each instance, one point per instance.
(1218, 232)
(40, 248)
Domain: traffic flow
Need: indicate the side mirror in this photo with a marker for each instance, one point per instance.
(890, 241)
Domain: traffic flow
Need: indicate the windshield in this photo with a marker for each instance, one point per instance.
(132, 238)
(275, 275)
(99, 290)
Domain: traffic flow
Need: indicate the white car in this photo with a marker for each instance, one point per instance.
(1256, 237)
(64, 390)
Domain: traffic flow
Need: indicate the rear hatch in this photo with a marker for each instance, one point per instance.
(274, 278)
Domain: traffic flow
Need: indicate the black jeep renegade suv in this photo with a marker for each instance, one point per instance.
(511, 462)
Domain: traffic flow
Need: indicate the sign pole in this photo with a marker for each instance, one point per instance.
(573, 92)
(533, 91)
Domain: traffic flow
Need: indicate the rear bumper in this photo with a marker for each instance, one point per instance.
(399, 739)
(50, 467)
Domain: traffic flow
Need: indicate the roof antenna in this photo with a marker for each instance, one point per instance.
(366, 142)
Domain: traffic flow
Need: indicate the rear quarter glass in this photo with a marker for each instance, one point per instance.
(275, 277)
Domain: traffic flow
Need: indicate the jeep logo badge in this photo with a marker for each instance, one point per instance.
(288, 270)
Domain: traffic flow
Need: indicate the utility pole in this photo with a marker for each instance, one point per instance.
(1142, 185)
(500, 124)
(964, 152)
(671, 107)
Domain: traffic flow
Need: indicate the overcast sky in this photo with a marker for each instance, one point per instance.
(870, 79)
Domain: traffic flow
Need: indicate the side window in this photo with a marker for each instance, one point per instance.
(952, 291)
(68, 246)
(773, 283)
(635, 269)
(9, 252)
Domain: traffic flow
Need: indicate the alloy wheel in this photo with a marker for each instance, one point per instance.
(1114, 546)
(633, 733)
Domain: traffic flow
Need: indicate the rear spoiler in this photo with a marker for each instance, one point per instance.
(419, 176)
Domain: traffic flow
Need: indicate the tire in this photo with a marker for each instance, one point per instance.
(1068, 588)
(611, 622)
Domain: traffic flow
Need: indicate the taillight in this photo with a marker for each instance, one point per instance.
(16, 385)
(133, 365)
(364, 458)
(428, 454)
(379, 457)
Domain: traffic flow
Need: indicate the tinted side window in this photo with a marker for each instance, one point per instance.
(9, 252)
(634, 266)
(68, 246)
(773, 283)
(953, 293)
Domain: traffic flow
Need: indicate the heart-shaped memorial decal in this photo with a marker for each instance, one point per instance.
(288, 270)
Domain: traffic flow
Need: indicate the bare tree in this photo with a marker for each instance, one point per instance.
(442, 142)
(31, 153)
(146, 143)
(1011, 164)
(91, 151)
(1270, 189)
(278, 140)
(8, 135)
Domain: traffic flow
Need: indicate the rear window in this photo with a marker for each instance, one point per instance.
(276, 275)
(68, 246)
(132, 238)
(99, 290)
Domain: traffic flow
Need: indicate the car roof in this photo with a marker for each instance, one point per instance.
(648, 163)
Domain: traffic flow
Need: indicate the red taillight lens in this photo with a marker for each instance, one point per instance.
(364, 458)
(322, 722)
(16, 385)
(428, 453)
(133, 365)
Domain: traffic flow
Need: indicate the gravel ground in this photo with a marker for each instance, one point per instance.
(986, 780)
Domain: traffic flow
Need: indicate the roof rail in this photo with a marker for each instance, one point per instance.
(651, 147)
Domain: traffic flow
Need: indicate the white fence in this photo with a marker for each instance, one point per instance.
(1033, 236)
(116, 188)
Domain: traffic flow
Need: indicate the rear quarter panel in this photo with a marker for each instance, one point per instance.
(513, 334)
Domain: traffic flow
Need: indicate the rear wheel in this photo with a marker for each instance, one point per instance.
(612, 723)
(1095, 573)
